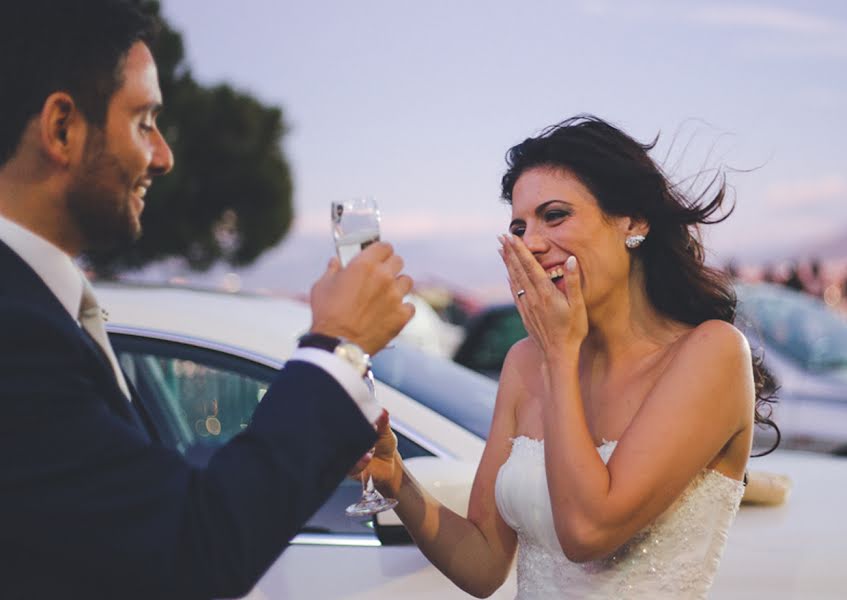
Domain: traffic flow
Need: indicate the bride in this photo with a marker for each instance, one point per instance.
(623, 423)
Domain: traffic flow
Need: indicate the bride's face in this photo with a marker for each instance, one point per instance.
(558, 217)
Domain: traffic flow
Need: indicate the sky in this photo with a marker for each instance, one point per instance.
(416, 103)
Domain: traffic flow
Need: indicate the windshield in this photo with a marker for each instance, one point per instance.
(797, 325)
(454, 392)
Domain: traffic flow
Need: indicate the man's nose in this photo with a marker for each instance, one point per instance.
(163, 158)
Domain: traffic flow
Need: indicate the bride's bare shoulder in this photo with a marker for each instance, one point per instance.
(714, 337)
(522, 363)
(523, 353)
(717, 352)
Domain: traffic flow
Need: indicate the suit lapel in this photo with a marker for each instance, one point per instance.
(20, 281)
(140, 413)
(116, 399)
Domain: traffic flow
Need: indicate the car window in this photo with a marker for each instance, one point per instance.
(453, 391)
(798, 326)
(199, 399)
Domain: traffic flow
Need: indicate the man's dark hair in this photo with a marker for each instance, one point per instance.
(75, 46)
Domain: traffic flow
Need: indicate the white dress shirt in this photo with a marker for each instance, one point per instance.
(56, 269)
(64, 279)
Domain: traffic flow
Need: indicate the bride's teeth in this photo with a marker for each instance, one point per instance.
(557, 273)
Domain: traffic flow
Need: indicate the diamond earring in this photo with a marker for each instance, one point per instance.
(634, 241)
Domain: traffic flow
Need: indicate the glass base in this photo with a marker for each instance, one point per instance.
(370, 503)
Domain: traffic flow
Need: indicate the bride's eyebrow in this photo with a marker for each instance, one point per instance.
(539, 210)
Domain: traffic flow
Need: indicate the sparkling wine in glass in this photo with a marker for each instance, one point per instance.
(355, 225)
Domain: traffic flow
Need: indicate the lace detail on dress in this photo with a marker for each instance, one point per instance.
(530, 447)
(676, 556)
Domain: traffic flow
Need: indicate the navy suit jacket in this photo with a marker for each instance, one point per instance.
(91, 507)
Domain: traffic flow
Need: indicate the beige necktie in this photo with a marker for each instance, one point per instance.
(91, 319)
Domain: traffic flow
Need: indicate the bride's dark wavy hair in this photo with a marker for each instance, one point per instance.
(627, 183)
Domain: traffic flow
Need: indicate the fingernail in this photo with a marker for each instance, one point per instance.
(570, 264)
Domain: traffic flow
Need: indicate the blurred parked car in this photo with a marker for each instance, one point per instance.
(202, 362)
(430, 332)
(802, 341)
(804, 345)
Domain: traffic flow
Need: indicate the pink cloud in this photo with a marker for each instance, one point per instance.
(420, 225)
(766, 17)
(819, 192)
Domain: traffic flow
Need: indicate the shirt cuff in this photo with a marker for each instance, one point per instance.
(346, 376)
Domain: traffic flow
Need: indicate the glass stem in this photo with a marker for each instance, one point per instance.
(367, 485)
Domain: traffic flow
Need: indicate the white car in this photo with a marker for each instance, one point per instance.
(203, 360)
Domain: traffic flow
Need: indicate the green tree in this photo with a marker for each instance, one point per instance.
(229, 195)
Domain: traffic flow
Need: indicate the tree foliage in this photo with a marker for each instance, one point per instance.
(229, 195)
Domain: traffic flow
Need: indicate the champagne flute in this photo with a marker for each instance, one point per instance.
(355, 225)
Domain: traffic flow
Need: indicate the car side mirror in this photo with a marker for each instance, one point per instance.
(448, 480)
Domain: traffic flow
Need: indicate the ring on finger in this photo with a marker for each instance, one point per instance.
(520, 293)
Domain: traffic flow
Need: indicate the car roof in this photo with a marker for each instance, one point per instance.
(188, 312)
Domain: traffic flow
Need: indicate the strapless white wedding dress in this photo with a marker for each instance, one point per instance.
(675, 557)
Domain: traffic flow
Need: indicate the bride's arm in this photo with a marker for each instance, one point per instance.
(704, 398)
(475, 552)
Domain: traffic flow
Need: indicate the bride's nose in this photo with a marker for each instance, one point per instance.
(535, 241)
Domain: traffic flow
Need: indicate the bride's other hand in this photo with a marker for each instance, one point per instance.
(383, 463)
(555, 321)
(361, 465)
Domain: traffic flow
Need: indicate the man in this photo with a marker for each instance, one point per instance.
(90, 507)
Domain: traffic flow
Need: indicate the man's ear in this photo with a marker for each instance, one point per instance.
(62, 128)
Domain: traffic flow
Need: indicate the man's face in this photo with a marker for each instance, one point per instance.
(106, 196)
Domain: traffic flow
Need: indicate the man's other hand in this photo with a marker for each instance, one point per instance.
(363, 302)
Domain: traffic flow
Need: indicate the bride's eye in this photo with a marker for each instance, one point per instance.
(556, 214)
(517, 230)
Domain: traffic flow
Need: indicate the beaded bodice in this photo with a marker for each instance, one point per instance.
(676, 556)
